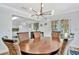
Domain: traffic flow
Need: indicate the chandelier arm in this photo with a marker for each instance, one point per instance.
(47, 13)
(34, 10)
(37, 15)
(41, 8)
(34, 15)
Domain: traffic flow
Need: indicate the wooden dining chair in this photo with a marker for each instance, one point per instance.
(56, 35)
(37, 36)
(23, 36)
(13, 50)
(63, 47)
(3, 48)
(9, 44)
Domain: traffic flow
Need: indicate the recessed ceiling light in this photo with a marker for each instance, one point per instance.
(13, 18)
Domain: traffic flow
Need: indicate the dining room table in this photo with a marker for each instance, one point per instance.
(42, 47)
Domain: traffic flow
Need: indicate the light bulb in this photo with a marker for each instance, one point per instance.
(52, 12)
(42, 5)
(13, 18)
(38, 13)
(30, 8)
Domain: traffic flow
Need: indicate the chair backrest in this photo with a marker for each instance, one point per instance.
(11, 47)
(63, 47)
(37, 36)
(23, 36)
(56, 35)
(3, 48)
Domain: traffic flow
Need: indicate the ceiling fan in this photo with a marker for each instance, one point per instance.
(41, 13)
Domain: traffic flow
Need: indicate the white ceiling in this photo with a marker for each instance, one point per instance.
(23, 8)
(59, 8)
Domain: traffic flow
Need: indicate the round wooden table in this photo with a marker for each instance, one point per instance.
(42, 47)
